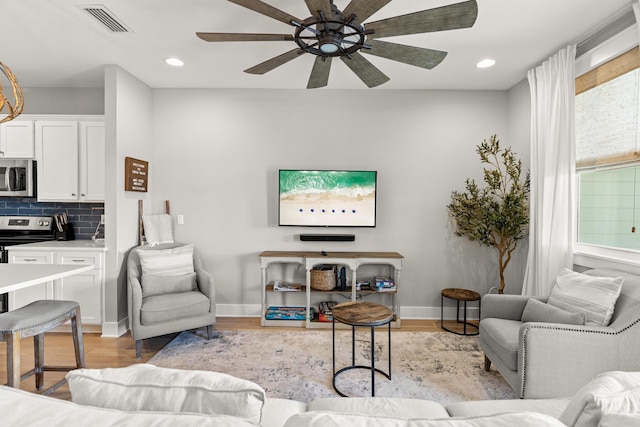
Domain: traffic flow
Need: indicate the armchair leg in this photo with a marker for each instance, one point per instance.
(138, 349)
(209, 332)
(487, 363)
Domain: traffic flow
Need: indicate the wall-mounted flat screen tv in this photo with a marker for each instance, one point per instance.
(327, 198)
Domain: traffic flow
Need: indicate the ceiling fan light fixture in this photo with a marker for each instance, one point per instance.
(329, 48)
(486, 63)
(175, 62)
(330, 43)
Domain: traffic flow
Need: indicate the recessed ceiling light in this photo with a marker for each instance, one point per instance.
(486, 63)
(174, 61)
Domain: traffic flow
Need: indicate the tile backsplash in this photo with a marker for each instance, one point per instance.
(84, 217)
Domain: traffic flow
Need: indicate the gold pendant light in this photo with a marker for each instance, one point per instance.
(12, 110)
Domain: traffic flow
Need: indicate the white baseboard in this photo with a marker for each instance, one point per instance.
(238, 310)
(434, 312)
(254, 310)
(115, 329)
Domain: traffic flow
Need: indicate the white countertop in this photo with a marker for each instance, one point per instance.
(60, 245)
(18, 276)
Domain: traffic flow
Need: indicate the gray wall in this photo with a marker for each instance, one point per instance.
(216, 154)
(63, 100)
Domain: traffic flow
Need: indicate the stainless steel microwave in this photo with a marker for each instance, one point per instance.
(17, 178)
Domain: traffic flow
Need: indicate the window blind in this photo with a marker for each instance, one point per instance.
(608, 113)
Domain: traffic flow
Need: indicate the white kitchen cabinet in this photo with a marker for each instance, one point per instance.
(92, 161)
(25, 296)
(57, 155)
(86, 288)
(17, 139)
(71, 162)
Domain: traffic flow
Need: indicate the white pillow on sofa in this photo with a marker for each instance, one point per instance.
(592, 295)
(170, 262)
(610, 392)
(538, 311)
(23, 408)
(145, 387)
(160, 284)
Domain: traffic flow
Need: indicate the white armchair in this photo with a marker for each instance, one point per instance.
(544, 360)
(168, 311)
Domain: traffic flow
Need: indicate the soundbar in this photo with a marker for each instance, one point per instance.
(327, 237)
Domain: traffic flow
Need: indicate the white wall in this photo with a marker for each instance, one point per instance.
(216, 154)
(128, 108)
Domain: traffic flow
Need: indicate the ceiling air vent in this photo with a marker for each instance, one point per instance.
(105, 17)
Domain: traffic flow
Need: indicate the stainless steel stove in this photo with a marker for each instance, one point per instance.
(16, 230)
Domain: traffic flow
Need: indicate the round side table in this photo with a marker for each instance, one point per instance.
(355, 314)
(458, 295)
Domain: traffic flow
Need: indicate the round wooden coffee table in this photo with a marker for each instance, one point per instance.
(458, 295)
(360, 313)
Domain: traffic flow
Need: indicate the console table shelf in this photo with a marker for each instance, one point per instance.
(308, 297)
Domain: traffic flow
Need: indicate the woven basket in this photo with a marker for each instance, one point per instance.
(323, 278)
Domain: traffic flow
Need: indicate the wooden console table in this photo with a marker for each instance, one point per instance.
(304, 261)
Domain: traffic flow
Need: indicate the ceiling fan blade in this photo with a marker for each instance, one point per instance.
(243, 37)
(365, 70)
(274, 62)
(363, 9)
(420, 57)
(320, 73)
(323, 6)
(451, 17)
(266, 9)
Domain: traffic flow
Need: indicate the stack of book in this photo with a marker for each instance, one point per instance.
(279, 285)
(363, 285)
(287, 313)
(385, 284)
(325, 309)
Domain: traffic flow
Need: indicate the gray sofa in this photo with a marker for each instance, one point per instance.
(544, 360)
(146, 395)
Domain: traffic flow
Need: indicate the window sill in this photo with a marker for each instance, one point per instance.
(592, 256)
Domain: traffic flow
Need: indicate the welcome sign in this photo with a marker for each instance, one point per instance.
(136, 174)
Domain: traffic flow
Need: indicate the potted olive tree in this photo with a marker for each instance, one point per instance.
(498, 214)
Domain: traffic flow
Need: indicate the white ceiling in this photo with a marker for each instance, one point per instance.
(54, 43)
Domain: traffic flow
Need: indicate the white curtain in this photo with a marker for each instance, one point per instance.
(636, 12)
(552, 171)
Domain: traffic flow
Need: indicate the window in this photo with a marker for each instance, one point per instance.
(608, 153)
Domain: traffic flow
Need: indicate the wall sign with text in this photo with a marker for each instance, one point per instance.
(136, 174)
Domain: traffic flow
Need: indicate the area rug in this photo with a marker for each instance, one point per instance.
(438, 366)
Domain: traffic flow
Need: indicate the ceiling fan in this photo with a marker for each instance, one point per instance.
(330, 32)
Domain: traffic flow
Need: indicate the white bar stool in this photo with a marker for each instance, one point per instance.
(33, 320)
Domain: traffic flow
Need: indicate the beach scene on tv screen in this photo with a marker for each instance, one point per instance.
(328, 198)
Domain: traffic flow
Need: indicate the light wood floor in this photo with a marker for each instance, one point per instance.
(120, 352)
